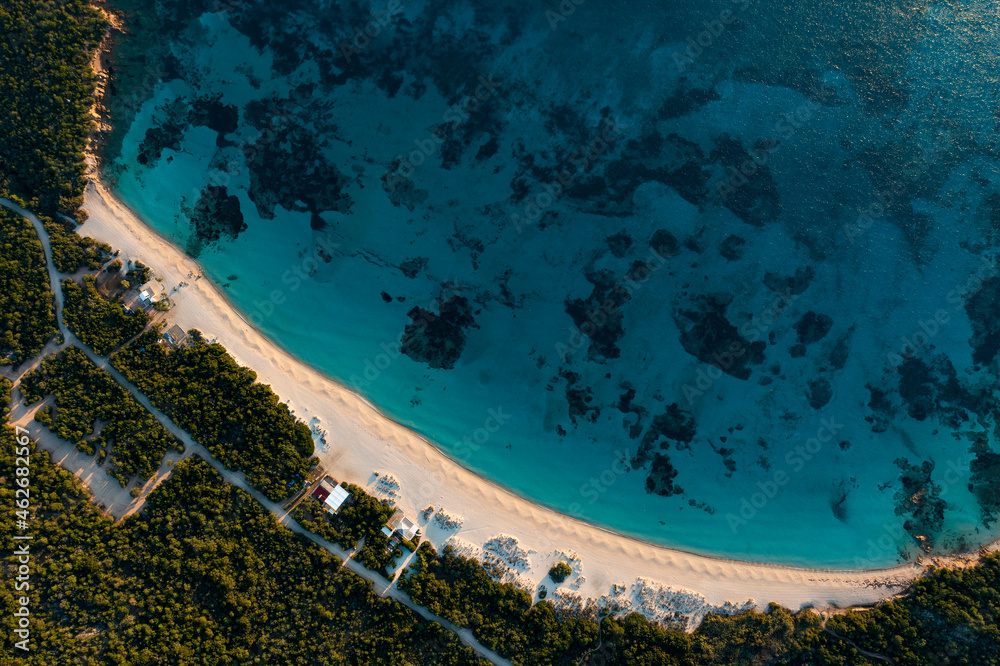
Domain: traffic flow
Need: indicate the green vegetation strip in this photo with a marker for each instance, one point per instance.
(203, 576)
(46, 92)
(87, 397)
(100, 323)
(27, 306)
(70, 251)
(242, 422)
(949, 617)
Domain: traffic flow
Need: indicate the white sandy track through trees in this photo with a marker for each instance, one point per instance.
(362, 440)
(237, 479)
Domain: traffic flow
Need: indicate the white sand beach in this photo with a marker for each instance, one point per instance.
(361, 441)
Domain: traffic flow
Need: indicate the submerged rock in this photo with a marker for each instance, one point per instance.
(812, 327)
(932, 388)
(985, 485)
(749, 190)
(820, 392)
(707, 335)
(217, 215)
(919, 500)
(579, 398)
(791, 285)
(732, 248)
(619, 244)
(157, 139)
(438, 339)
(599, 316)
(664, 243)
(983, 310)
(660, 480)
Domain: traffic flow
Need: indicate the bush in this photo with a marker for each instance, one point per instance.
(560, 572)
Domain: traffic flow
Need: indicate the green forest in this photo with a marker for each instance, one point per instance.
(46, 92)
(361, 517)
(70, 251)
(950, 617)
(220, 403)
(85, 395)
(203, 575)
(27, 306)
(101, 324)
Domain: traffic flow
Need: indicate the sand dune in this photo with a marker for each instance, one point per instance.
(362, 441)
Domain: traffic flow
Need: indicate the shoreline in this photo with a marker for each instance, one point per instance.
(362, 439)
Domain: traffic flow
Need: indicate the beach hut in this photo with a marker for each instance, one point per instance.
(400, 523)
(337, 498)
(330, 494)
(175, 335)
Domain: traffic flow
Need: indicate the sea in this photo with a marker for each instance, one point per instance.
(719, 275)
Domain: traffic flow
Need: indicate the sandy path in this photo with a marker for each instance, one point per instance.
(362, 440)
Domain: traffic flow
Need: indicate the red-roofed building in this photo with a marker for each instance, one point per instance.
(321, 492)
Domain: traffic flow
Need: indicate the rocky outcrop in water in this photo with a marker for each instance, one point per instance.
(289, 169)
(984, 483)
(157, 139)
(660, 480)
(812, 327)
(599, 316)
(707, 335)
(438, 339)
(217, 215)
(983, 309)
(918, 499)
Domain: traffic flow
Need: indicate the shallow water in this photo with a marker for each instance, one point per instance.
(721, 277)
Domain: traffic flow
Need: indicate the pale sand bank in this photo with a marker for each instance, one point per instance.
(362, 441)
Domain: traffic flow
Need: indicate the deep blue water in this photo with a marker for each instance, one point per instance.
(721, 277)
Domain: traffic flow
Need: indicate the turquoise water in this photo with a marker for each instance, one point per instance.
(719, 277)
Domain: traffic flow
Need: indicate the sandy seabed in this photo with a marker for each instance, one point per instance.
(627, 573)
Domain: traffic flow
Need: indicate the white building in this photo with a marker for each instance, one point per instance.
(400, 523)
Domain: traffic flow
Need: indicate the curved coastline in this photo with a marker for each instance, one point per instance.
(363, 439)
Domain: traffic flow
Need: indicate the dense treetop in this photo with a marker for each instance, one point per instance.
(46, 93)
(220, 403)
(203, 576)
(27, 306)
(100, 323)
(94, 412)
